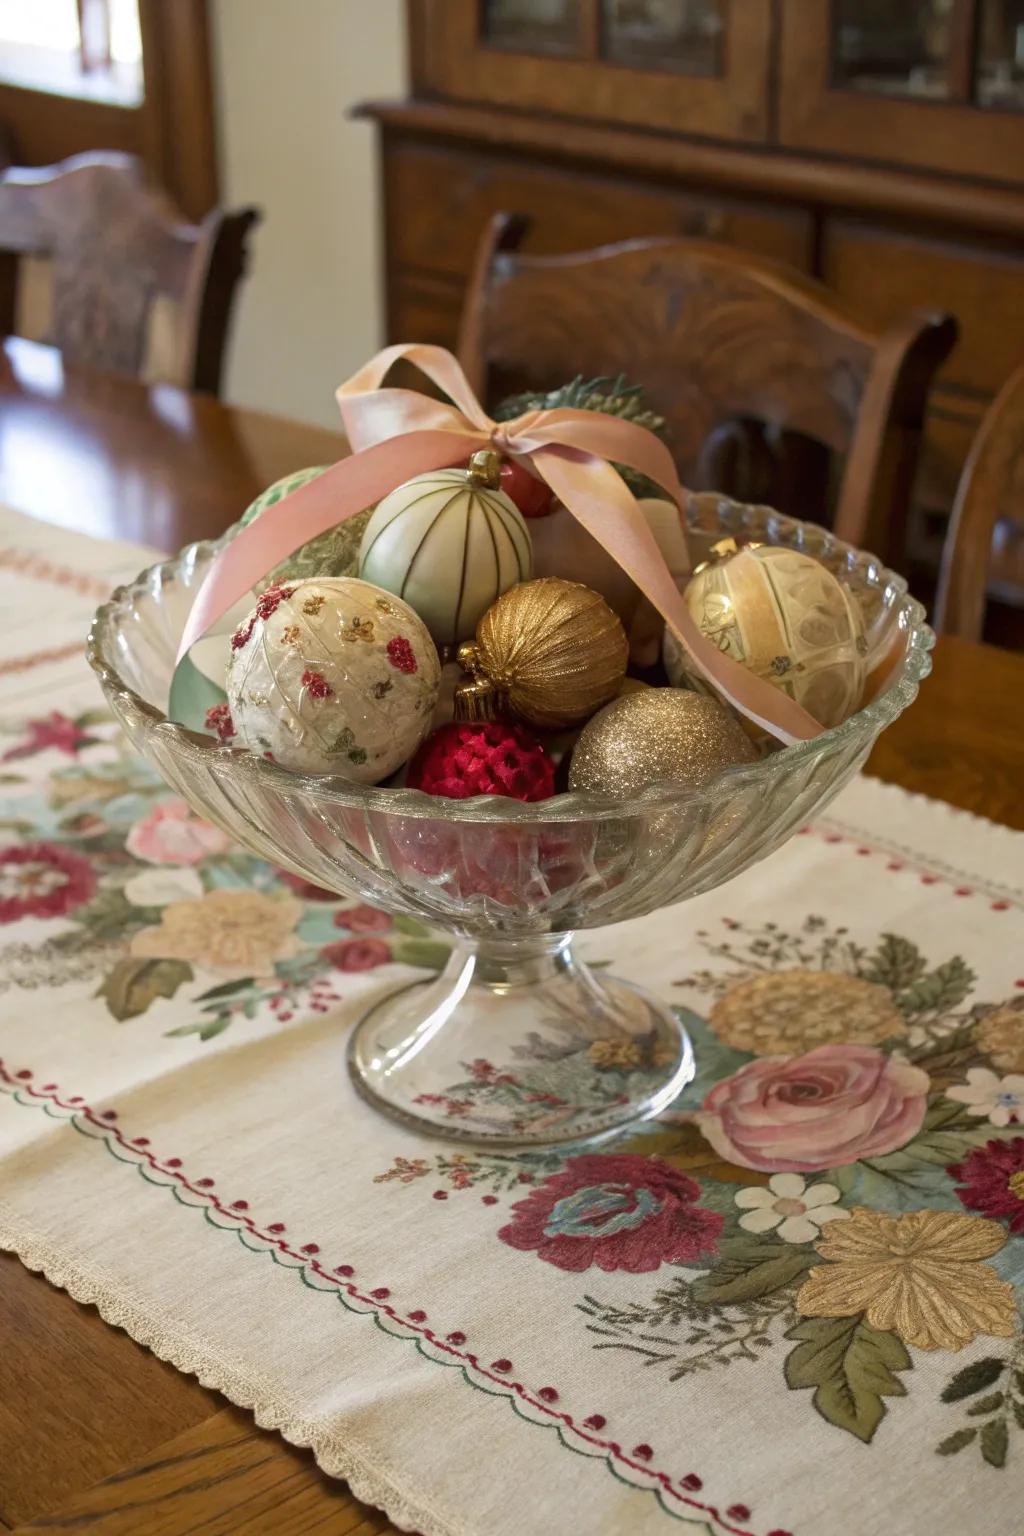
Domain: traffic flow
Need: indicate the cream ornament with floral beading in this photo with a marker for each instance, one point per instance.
(333, 675)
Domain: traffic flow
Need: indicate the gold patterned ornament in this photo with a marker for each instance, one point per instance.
(660, 736)
(550, 651)
(1000, 1034)
(784, 616)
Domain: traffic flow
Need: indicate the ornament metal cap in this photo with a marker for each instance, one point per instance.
(485, 469)
(724, 549)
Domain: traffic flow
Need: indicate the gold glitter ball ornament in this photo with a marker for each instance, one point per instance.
(550, 651)
(660, 736)
(783, 615)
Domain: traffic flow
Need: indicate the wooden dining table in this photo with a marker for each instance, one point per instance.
(96, 1433)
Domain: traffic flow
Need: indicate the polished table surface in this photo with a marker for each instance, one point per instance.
(96, 1433)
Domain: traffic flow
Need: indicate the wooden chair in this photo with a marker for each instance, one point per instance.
(106, 269)
(765, 380)
(984, 548)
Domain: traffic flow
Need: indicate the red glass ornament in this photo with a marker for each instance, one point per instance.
(533, 497)
(482, 758)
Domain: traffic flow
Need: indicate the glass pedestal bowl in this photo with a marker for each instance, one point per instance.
(511, 883)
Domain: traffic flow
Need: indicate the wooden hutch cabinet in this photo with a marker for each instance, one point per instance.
(876, 144)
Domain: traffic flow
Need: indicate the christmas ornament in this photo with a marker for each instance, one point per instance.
(332, 675)
(663, 735)
(785, 616)
(531, 495)
(612, 397)
(449, 542)
(550, 651)
(333, 553)
(487, 757)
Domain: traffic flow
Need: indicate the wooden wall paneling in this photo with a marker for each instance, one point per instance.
(178, 122)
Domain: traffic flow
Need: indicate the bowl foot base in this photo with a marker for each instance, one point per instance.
(520, 1045)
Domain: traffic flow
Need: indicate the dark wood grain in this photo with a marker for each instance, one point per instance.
(992, 482)
(96, 1434)
(109, 457)
(717, 336)
(222, 1476)
(113, 248)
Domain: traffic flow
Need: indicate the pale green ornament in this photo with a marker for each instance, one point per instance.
(449, 543)
(332, 553)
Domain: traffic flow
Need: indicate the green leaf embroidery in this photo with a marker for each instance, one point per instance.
(93, 717)
(973, 1378)
(947, 1060)
(750, 1268)
(133, 984)
(896, 963)
(411, 926)
(429, 954)
(985, 1405)
(851, 1366)
(940, 990)
(215, 1027)
(955, 1442)
(994, 1440)
(226, 989)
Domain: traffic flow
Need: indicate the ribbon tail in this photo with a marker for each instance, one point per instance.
(339, 493)
(598, 498)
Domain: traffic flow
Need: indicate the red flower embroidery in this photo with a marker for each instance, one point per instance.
(363, 919)
(991, 1180)
(618, 1212)
(219, 721)
(42, 880)
(317, 684)
(267, 603)
(400, 654)
(305, 888)
(357, 954)
(242, 633)
(53, 730)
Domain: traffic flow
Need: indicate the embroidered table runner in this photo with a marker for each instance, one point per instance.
(791, 1305)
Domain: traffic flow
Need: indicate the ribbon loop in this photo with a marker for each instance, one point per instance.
(399, 433)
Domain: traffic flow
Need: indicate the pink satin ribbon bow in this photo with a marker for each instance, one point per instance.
(398, 433)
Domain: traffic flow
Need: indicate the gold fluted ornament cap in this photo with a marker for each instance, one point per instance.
(485, 469)
(724, 549)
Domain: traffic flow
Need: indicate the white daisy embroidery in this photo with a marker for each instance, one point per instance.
(789, 1207)
(999, 1099)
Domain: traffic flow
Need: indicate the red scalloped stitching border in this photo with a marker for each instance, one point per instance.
(823, 830)
(377, 1300)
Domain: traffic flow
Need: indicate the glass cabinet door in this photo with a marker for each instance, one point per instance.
(531, 26)
(937, 84)
(684, 35)
(670, 66)
(889, 49)
(999, 67)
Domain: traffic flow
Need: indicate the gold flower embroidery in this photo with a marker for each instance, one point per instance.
(383, 605)
(290, 634)
(360, 629)
(787, 1013)
(917, 1276)
(1000, 1034)
(233, 930)
(312, 605)
(615, 1055)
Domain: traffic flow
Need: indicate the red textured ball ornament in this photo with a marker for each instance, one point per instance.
(482, 758)
(532, 496)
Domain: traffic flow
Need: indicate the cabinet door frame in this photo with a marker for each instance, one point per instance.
(449, 60)
(952, 136)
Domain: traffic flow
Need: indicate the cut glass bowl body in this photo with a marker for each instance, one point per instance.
(517, 1042)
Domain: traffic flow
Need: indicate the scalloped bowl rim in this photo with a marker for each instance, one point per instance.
(573, 806)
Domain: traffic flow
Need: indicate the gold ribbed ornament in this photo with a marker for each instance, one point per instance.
(550, 651)
(660, 736)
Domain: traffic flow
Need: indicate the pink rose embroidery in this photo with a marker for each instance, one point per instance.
(800, 1114)
(356, 954)
(620, 1211)
(363, 919)
(170, 834)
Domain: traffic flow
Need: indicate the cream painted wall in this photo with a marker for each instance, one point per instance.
(285, 74)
